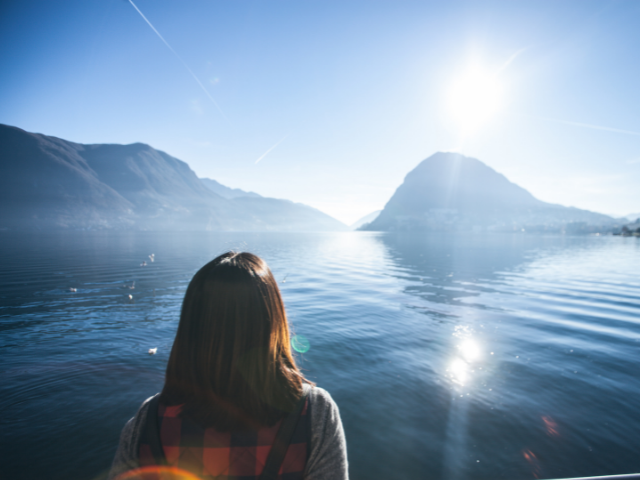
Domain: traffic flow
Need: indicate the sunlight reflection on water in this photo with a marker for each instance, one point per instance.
(467, 353)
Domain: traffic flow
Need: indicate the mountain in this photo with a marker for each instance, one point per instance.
(47, 182)
(226, 192)
(629, 229)
(449, 191)
(364, 220)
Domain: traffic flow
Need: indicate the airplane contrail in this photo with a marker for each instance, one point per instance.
(181, 60)
(511, 59)
(594, 127)
(267, 152)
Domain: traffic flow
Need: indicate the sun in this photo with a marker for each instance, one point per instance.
(474, 98)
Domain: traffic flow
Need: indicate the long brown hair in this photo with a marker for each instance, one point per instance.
(231, 365)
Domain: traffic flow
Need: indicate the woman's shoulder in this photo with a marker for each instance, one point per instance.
(321, 399)
(324, 410)
(143, 409)
(126, 457)
(133, 428)
(328, 453)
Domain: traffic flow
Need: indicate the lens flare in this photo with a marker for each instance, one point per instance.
(551, 426)
(530, 457)
(157, 472)
(300, 344)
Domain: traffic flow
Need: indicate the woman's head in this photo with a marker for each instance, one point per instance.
(231, 363)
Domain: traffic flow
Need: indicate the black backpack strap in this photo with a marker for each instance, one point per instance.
(152, 433)
(283, 438)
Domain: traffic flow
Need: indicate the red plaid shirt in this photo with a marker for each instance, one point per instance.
(210, 454)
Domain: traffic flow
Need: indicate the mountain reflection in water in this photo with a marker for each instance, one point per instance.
(450, 356)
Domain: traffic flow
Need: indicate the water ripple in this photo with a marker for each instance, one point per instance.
(474, 357)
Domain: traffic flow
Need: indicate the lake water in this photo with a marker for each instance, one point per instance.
(450, 356)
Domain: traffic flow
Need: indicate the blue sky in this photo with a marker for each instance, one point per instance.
(352, 94)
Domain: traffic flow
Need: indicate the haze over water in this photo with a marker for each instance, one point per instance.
(450, 356)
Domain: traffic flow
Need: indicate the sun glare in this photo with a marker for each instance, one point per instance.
(474, 98)
(470, 350)
(468, 353)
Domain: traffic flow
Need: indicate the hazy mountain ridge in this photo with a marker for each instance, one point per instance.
(629, 229)
(365, 220)
(45, 181)
(227, 192)
(48, 182)
(449, 191)
(633, 217)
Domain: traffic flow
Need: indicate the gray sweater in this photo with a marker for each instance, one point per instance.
(327, 451)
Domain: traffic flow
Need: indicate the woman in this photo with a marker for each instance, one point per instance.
(233, 398)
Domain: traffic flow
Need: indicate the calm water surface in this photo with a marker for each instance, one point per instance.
(450, 356)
